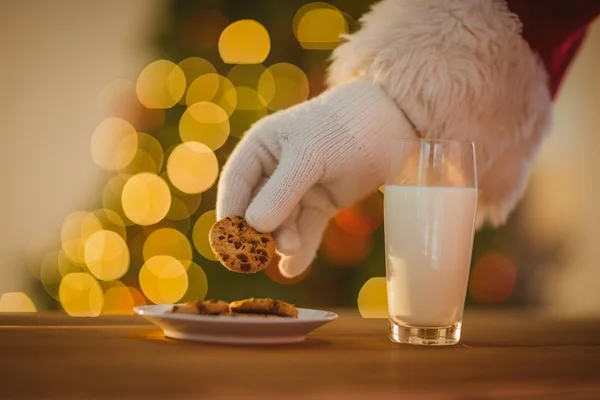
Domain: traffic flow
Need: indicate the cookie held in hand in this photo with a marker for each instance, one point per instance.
(239, 247)
(264, 306)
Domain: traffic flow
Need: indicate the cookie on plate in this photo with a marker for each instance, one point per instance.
(264, 306)
(210, 306)
(239, 247)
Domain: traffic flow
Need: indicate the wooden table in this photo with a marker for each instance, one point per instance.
(502, 355)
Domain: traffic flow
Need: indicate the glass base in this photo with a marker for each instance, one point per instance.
(426, 336)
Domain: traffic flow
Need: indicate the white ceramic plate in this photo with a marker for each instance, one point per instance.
(235, 330)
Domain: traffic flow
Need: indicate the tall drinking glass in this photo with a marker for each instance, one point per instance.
(430, 206)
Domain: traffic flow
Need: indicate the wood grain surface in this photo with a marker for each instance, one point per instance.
(501, 356)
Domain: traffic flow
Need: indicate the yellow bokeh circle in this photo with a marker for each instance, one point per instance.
(81, 295)
(16, 302)
(161, 84)
(118, 300)
(111, 221)
(204, 122)
(106, 255)
(214, 88)
(163, 279)
(114, 144)
(194, 67)
(192, 167)
(283, 85)
(244, 42)
(246, 75)
(75, 230)
(198, 283)
(168, 242)
(146, 198)
(111, 196)
(66, 265)
(149, 156)
(319, 26)
(372, 299)
(200, 234)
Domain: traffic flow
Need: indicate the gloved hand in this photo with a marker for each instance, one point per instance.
(295, 168)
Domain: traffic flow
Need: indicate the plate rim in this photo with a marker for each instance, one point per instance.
(139, 310)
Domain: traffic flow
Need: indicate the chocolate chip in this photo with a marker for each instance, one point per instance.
(225, 257)
(175, 308)
(229, 236)
(252, 250)
(241, 225)
(245, 267)
(242, 257)
(262, 252)
(221, 237)
(237, 245)
(264, 239)
(253, 242)
(263, 259)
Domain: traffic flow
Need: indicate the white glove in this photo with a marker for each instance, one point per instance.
(295, 168)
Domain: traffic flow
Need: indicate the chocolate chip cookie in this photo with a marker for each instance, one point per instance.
(239, 247)
(264, 306)
(211, 307)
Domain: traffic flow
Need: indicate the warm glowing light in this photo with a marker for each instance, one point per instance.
(320, 26)
(66, 265)
(200, 234)
(50, 275)
(118, 300)
(372, 299)
(492, 279)
(275, 275)
(244, 42)
(214, 88)
(137, 296)
(146, 198)
(249, 99)
(106, 255)
(363, 218)
(149, 156)
(168, 242)
(114, 144)
(111, 221)
(76, 228)
(344, 249)
(163, 279)
(192, 167)
(246, 75)
(184, 205)
(283, 85)
(198, 284)
(206, 123)
(161, 84)
(112, 194)
(81, 295)
(194, 67)
(16, 302)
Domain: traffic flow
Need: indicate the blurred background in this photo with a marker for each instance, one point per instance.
(118, 115)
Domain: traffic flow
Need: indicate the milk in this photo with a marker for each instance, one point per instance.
(429, 240)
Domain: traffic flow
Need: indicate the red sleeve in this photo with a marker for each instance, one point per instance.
(555, 29)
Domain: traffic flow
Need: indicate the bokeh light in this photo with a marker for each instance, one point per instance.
(81, 295)
(75, 230)
(363, 218)
(50, 274)
(273, 272)
(163, 279)
(214, 88)
(161, 84)
(183, 205)
(114, 144)
(137, 296)
(492, 279)
(148, 157)
(106, 255)
(344, 249)
(16, 302)
(168, 242)
(205, 122)
(146, 198)
(283, 85)
(111, 221)
(246, 75)
(112, 194)
(319, 26)
(200, 234)
(372, 299)
(192, 167)
(197, 283)
(244, 42)
(66, 265)
(118, 300)
(194, 67)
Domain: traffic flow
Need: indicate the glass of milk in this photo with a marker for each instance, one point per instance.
(430, 204)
